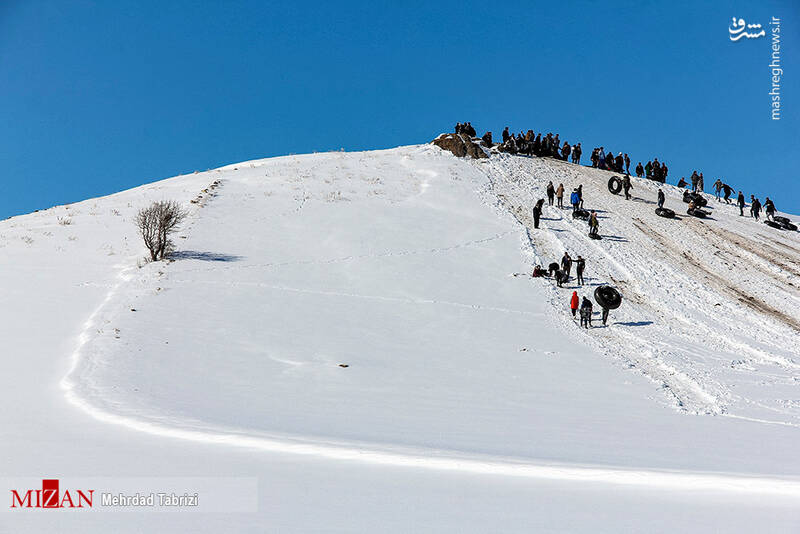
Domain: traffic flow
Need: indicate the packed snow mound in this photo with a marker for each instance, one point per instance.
(381, 301)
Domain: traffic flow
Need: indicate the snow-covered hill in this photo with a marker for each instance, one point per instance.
(371, 314)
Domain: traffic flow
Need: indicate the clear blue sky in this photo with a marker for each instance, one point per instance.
(102, 96)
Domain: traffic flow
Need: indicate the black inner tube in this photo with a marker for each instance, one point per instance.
(614, 185)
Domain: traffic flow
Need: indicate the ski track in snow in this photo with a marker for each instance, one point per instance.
(681, 369)
(687, 372)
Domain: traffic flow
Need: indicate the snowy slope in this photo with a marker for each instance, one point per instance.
(400, 265)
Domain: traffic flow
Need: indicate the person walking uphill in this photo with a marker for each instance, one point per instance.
(586, 312)
(740, 203)
(573, 303)
(551, 192)
(594, 225)
(755, 207)
(769, 209)
(580, 265)
(627, 186)
(560, 195)
(660, 198)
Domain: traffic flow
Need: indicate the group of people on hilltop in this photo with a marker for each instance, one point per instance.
(549, 145)
(466, 129)
(607, 161)
(654, 170)
(533, 144)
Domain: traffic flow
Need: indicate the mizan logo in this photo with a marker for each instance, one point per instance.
(50, 497)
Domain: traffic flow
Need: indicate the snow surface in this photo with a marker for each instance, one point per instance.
(471, 400)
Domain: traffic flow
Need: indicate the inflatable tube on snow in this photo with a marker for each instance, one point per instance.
(595, 236)
(608, 297)
(773, 224)
(700, 214)
(782, 220)
(665, 212)
(699, 200)
(687, 196)
(789, 226)
(615, 185)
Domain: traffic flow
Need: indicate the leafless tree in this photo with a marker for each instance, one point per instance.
(156, 223)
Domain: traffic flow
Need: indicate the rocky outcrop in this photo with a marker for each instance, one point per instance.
(460, 145)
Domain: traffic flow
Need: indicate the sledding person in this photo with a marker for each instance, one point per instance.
(575, 200)
(594, 225)
(560, 195)
(626, 185)
(551, 192)
(573, 303)
(586, 312)
(740, 203)
(769, 209)
(580, 265)
(718, 188)
(538, 272)
(537, 212)
(639, 170)
(660, 198)
(682, 182)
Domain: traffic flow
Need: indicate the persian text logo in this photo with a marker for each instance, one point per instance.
(737, 30)
(50, 497)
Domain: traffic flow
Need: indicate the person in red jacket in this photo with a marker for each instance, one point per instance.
(573, 303)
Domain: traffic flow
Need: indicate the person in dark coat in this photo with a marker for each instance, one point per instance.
(728, 190)
(458, 127)
(626, 186)
(487, 139)
(660, 198)
(506, 135)
(682, 182)
(551, 193)
(552, 268)
(605, 315)
(580, 265)
(639, 170)
(740, 203)
(755, 207)
(586, 312)
(537, 212)
(580, 195)
(566, 263)
(769, 209)
(565, 151)
(561, 277)
(627, 164)
(576, 154)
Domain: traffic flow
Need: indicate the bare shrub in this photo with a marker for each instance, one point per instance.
(156, 223)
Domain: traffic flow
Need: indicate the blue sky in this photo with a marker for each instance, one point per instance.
(102, 96)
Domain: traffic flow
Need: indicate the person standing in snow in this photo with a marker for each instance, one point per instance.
(566, 263)
(648, 169)
(586, 312)
(769, 209)
(639, 170)
(580, 265)
(580, 195)
(740, 203)
(575, 200)
(565, 151)
(537, 212)
(660, 198)
(593, 224)
(576, 154)
(694, 180)
(626, 185)
(700, 186)
(551, 192)
(627, 164)
(573, 303)
(560, 195)
(718, 188)
(506, 135)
